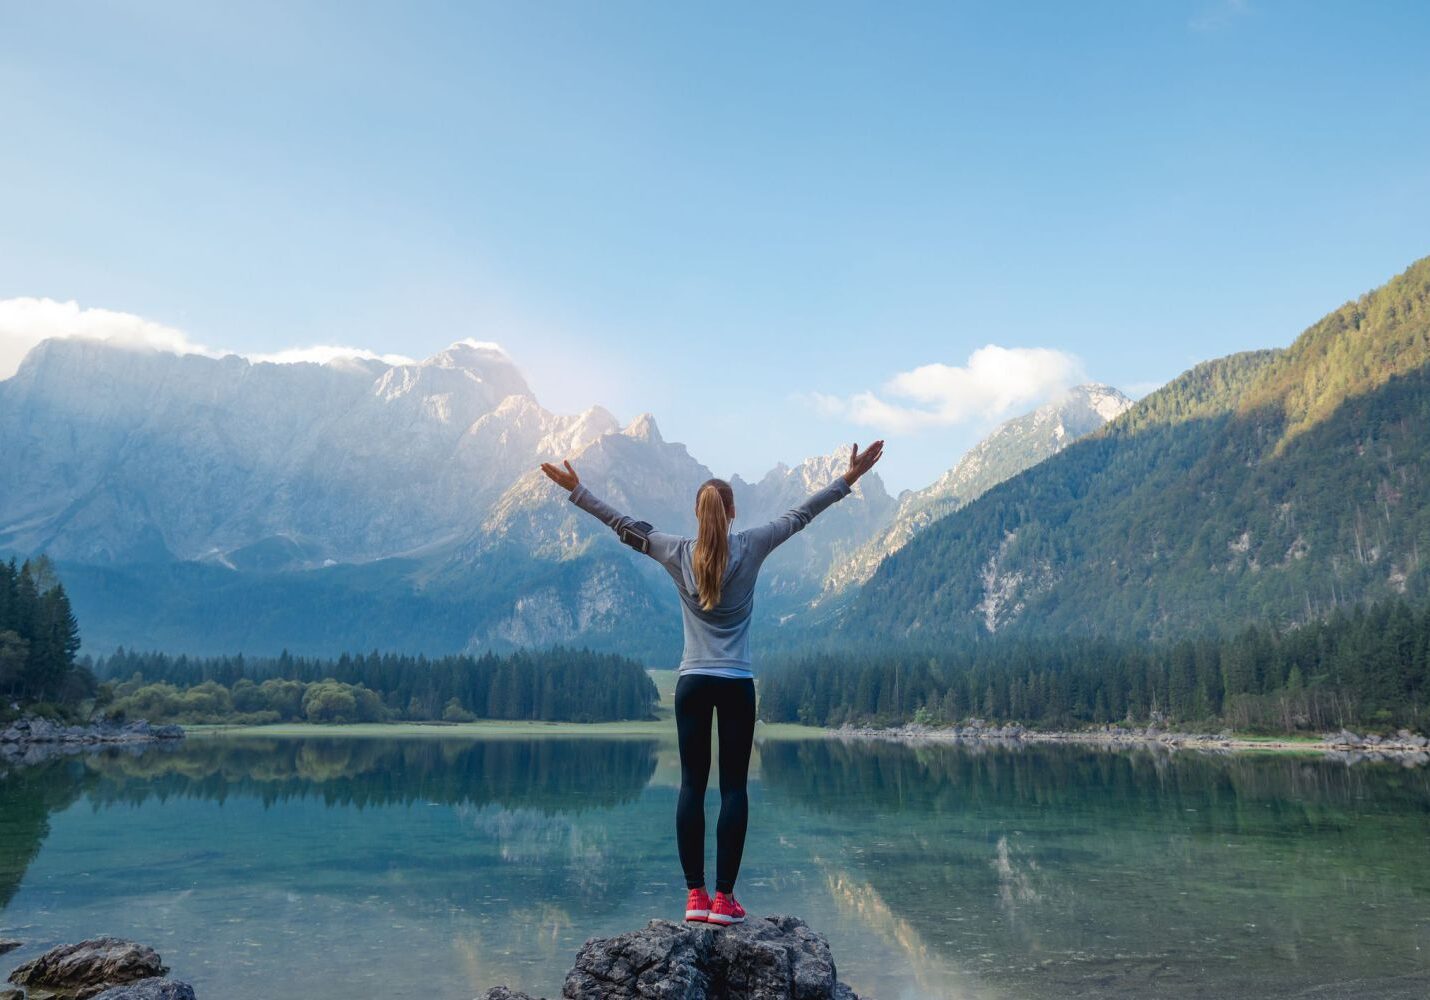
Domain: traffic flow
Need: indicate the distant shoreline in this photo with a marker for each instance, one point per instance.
(654, 728)
(1407, 746)
(1344, 744)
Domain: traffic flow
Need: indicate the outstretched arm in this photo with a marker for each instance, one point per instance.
(767, 537)
(662, 545)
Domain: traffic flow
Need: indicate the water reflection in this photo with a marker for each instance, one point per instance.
(1053, 870)
(28, 795)
(329, 868)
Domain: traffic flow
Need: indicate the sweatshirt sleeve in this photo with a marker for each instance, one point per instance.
(767, 537)
(663, 547)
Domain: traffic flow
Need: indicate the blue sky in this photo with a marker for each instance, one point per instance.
(744, 218)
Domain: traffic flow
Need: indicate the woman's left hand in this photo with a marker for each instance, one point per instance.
(567, 480)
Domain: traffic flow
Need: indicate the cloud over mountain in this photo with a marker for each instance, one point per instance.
(994, 382)
(24, 322)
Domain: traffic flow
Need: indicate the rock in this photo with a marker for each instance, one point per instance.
(149, 989)
(765, 958)
(89, 968)
(11, 993)
(9, 944)
(31, 740)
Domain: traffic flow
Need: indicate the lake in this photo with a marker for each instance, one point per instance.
(435, 868)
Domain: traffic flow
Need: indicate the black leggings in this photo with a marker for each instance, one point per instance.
(696, 696)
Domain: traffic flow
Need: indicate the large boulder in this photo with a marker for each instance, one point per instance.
(766, 958)
(87, 969)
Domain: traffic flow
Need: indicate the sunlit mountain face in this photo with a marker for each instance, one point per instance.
(208, 505)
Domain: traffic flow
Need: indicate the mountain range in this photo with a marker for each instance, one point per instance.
(1269, 486)
(209, 505)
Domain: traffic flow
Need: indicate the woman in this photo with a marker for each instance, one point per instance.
(714, 574)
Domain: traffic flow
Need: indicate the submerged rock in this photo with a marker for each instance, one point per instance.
(765, 958)
(87, 969)
(150, 989)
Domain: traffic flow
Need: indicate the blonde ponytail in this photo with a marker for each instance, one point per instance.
(712, 543)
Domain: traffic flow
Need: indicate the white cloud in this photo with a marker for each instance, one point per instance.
(485, 345)
(24, 322)
(322, 354)
(995, 381)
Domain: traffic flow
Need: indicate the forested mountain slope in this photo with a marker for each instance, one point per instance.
(1013, 446)
(1267, 485)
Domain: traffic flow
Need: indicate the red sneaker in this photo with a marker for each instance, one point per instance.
(697, 905)
(725, 910)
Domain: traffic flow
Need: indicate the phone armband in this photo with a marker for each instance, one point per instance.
(637, 535)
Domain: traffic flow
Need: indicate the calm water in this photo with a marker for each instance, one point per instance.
(326, 868)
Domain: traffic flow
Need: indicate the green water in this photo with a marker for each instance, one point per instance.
(323, 868)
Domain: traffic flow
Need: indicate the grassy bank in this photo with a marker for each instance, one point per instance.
(661, 727)
(487, 728)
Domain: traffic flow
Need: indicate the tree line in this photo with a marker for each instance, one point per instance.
(39, 638)
(1368, 666)
(558, 684)
(40, 672)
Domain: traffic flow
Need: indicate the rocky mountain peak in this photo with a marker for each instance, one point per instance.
(1104, 400)
(643, 428)
(468, 353)
(483, 362)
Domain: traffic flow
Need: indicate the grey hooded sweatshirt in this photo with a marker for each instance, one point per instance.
(718, 641)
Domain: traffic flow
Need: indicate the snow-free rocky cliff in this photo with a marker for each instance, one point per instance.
(212, 505)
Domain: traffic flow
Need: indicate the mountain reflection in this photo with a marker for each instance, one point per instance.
(550, 776)
(1131, 868)
(281, 866)
(512, 785)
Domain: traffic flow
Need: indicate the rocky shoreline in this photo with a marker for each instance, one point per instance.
(31, 740)
(1407, 747)
(105, 968)
(778, 957)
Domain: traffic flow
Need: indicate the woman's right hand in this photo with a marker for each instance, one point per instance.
(862, 462)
